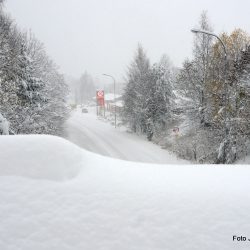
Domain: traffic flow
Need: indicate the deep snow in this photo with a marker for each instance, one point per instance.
(79, 200)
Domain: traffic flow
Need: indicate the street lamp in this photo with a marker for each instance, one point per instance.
(114, 94)
(196, 31)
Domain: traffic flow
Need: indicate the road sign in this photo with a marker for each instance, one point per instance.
(100, 98)
(100, 94)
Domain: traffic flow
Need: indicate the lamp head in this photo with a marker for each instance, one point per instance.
(195, 31)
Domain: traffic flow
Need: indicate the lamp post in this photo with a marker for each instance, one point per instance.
(196, 31)
(114, 94)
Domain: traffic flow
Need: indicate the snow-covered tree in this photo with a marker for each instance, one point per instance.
(195, 77)
(159, 100)
(32, 92)
(225, 96)
(136, 91)
(202, 62)
(148, 95)
(214, 102)
(51, 111)
(240, 106)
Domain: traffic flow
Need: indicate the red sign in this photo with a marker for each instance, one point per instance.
(100, 94)
(100, 97)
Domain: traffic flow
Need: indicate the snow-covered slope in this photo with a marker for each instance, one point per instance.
(44, 157)
(86, 201)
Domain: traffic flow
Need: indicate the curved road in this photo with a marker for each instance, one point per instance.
(99, 136)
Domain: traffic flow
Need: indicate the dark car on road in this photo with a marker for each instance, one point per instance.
(84, 110)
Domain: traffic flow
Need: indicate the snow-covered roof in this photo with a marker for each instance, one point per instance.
(119, 103)
(110, 96)
(55, 195)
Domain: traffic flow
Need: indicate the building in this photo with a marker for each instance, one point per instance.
(111, 103)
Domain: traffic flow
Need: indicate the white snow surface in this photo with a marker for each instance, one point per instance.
(57, 196)
(49, 159)
(111, 96)
(98, 136)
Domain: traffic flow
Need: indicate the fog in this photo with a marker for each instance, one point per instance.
(100, 36)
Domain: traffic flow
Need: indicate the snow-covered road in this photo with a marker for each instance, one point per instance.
(98, 136)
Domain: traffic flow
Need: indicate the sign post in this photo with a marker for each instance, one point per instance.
(100, 103)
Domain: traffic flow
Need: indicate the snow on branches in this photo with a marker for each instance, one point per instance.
(32, 92)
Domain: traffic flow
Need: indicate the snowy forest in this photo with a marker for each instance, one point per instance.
(206, 99)
(32, 91)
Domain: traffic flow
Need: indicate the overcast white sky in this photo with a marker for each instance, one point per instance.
(100, 36)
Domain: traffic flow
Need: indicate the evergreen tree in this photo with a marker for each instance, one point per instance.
(148, 95)
(32, 92)
(159, 97)
(136, 92)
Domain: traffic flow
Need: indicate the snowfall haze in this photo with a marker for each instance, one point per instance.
(101, 36)
(122, 130)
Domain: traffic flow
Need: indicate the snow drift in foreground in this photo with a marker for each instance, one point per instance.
(56, 196)
(37, 156)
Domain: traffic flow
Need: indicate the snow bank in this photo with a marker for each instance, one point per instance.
(114, 204)
(36, 156)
